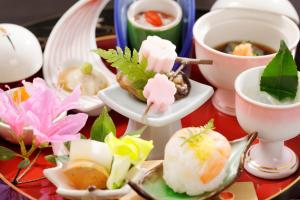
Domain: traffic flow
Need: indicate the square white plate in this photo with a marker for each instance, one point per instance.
(122, 102)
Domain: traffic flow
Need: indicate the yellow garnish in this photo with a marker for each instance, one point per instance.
(200, 143)
(203, 148)
(20, 95)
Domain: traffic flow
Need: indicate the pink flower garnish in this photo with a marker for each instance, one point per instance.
(60, 131)
(160, 92)
(12, 114)
(160, 54)
(40, 111)
(38, 90)
(44, 106)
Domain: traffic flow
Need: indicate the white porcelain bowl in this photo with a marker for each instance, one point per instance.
(22, 59)
(274, 123)
(221, 26)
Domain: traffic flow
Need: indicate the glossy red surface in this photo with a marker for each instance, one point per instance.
(227, 125)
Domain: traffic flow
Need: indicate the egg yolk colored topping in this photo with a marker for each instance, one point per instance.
(20, 95)
(203, 146)
(244, 49)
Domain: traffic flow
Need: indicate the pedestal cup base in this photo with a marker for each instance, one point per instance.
(159, 135)
(223, 101)
(257, 164)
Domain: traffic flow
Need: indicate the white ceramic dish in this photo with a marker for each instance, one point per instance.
(20, 58)
(57, 177)
(224, 25)
(160, 126)
(71, 42)
(270, 158)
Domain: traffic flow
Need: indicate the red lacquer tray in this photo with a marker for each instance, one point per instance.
(225, 124)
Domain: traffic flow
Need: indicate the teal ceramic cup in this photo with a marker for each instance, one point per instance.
(138, 32)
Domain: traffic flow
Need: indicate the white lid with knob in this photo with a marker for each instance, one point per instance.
(280, 7)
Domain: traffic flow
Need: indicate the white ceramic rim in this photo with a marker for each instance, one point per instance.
(238, 90)
(196, 30)
(131, 14)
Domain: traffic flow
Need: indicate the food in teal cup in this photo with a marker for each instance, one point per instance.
(156, 17)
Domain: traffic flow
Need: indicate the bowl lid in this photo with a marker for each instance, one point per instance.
(280, 7)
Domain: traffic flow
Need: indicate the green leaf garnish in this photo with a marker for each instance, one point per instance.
(24, 163)
(128, 63)
(6, 154)
(137, 132)
(280, 77)
(198, 136)
(102, 126)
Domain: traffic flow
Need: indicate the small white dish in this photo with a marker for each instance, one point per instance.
(160, 126)
(20, 53)
(71, 41)
(57, 177)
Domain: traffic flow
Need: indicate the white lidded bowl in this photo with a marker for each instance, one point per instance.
(22, 59)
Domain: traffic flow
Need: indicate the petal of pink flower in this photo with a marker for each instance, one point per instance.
(160, 92)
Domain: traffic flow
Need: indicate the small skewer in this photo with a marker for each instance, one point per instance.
(193, 61)
(7, 36)
(146, 111)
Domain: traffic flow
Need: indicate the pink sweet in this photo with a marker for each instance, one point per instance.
(159, 92)
(160, 54)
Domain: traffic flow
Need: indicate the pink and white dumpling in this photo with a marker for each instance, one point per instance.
(160, 53)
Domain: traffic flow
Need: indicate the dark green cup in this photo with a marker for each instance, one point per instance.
(137, 33)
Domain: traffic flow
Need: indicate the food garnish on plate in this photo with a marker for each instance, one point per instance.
(195, 160)
(279, 81)
(104, 161)
(153, 18)
(149, 71)
(91, 81)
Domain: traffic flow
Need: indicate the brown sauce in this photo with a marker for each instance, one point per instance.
(257, 49)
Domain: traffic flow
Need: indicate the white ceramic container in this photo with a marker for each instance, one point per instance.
(270, 158)
(20, 53)
(231, 21)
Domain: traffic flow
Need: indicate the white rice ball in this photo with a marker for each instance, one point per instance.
(198, 165)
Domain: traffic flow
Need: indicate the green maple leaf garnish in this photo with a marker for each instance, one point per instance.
(128, 63)
(280, 77)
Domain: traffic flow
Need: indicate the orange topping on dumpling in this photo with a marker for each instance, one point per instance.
(244, 49)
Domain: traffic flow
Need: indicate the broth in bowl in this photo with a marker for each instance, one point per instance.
(245, 48)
